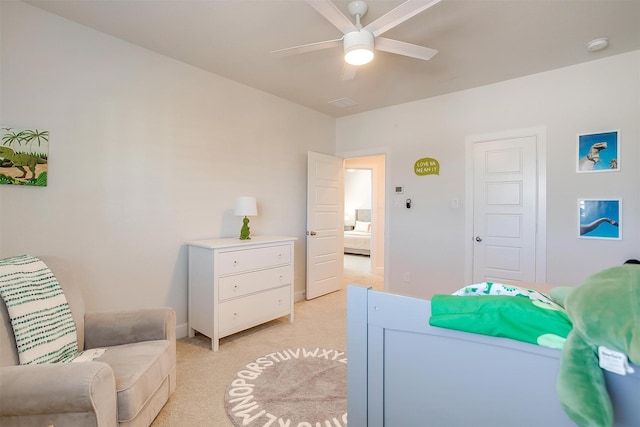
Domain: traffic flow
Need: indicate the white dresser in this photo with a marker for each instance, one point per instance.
(237, 284)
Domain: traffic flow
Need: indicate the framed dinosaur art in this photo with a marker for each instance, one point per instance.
(24, 156)
(599, 152)
(600, 218)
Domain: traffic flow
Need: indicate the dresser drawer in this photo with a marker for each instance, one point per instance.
(242, 313)
(238, 285)
(253, 259)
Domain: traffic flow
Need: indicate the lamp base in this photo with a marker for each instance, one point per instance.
(245, 230)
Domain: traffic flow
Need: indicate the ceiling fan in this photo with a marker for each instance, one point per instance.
(359, 42)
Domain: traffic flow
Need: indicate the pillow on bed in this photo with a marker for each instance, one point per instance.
(362, 226)
(517, 317)
(500, 289)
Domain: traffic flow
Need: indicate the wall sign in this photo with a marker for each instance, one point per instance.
(427, 166)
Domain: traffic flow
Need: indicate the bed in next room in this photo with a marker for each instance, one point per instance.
(358, 240)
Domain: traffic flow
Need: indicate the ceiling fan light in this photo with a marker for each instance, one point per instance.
(358, 56)
(358, 47)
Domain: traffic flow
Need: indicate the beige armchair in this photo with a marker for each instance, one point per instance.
(127, 386)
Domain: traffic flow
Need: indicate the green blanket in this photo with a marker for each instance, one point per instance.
(522, 315)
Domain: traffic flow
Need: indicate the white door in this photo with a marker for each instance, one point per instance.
(505, 210)
(325, 224)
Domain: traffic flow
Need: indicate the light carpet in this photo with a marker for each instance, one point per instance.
(293, 387)
(204, 375)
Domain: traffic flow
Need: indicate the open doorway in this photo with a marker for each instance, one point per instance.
(358, 189)
(364, 215)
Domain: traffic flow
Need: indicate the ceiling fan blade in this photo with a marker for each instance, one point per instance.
(331, 12)
(348, 71)
(397, 16)
(308, 47)
(406, 49)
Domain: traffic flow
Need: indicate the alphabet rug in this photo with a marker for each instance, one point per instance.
(302, 387)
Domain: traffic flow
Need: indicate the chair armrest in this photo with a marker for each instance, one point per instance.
(48, 391)
(106, 329)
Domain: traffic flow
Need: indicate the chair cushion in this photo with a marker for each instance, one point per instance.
(139, 369)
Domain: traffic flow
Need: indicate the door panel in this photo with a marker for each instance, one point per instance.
(326, 221)
(325, 246)
(504, 225)
(503, 258)
(504, 193)
(325, 217)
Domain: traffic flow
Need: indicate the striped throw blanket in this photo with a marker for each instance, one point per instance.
(39, 313)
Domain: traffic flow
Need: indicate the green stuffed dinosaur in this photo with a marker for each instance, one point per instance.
(605, 311)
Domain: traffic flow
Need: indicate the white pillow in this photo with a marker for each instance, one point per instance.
(362, 226)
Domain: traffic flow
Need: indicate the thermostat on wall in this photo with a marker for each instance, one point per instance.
(399, 190)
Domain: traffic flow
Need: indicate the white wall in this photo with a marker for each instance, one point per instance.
(428, 240)
(357, 192)
(145, 154)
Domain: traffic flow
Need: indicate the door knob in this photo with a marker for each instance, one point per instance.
(311, 233)
(478, 239)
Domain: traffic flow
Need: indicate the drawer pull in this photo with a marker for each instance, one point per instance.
(235, 263)
(280, 255)
(281, 277)
(235, 286)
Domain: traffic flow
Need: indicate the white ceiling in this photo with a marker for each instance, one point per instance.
(479, 42)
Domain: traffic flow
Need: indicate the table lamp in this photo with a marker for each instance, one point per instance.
(246, 206)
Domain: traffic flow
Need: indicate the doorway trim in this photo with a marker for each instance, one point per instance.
(540, 135)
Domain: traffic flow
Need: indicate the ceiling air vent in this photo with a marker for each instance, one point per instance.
(343, 102)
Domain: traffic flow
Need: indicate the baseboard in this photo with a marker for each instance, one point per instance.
(182, 330)
(299, 296)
